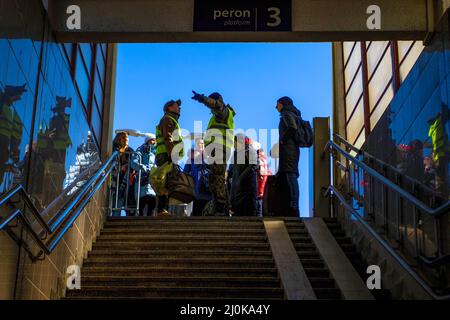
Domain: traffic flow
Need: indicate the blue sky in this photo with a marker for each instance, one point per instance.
(250, 77)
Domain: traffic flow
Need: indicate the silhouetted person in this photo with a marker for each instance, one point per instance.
(289, 150)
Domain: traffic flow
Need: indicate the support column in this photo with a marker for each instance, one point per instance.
(109, 101)
(320, 169)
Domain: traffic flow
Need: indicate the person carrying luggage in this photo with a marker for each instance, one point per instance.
(169, 145)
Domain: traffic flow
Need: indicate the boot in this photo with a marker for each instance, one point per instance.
(221, 210)
(294, 212)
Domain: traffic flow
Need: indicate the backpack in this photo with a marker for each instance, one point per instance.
(304, 134)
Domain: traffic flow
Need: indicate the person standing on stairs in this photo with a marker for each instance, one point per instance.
(219, 141)
(120, 144)
(168, 138)
(144, 160)
(289, 150)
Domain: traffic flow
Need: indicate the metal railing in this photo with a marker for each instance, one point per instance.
(332, 191)
(48, 237)
(122, 174)
(402, 219)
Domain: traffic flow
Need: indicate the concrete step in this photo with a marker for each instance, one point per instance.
(181, 231)
(192, 258)
(328, 293)
(178, 253)
(322, 282)
(177, 292)
(316, 272)
(200, 245)
(343, 240)
(312, 263)
(305, 246)
(354, 256)
(152, 271)
(300, 239)
(178, 281)
(231, 262)
(298, 232)
(308, 255)
(187, 219)
(186, 224)
(181, 237)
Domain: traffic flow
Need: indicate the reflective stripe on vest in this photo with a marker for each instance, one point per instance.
(226, 129)
(160, 145)
(10, 124)
(438, 139)
(6, 121)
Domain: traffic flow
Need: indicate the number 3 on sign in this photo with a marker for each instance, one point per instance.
(275, 15)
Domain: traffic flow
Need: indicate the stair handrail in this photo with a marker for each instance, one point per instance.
(436, 212)
(383, 164)
(74, 207)
(333, 191)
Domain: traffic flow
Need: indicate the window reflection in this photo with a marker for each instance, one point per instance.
(11, 129)
(53, 139)
(85, 160)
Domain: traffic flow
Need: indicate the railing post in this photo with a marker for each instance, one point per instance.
(415, 226)
(139, 186)
(385, 197)
(399, 209)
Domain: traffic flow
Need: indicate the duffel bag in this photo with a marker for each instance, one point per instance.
(180, 185)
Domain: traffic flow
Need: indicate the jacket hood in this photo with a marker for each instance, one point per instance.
(292, 109)
(232, 110)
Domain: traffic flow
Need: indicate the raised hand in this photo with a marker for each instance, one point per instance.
(197, 97)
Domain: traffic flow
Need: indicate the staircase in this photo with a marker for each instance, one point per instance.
(176, 258)
(353, 255)
(321, 281)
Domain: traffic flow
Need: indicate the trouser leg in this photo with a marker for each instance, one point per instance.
(147, 205)
(217, 183)
(199, 205)
(163, 203)
(292, 184)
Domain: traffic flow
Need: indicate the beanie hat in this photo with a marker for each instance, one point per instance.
(286, 101)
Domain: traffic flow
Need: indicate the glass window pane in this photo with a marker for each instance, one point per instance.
(360, 141)
(375, 53)
(380, 80)
(356, 122)
(86, 50)
(68, 48)
(100, 73)
(381, 107)
(98, 105)
(354, 94)
(96, 124)
(82, 81)
(352, 67)
(104, 48)
(98, 92)
(403, 48)
(410, 60)
(347, 48)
